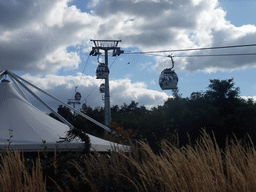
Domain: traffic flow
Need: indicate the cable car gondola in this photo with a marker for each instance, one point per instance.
(168, 78)
(102, 88)
(102, 71)
(78, 96)
(76, 100)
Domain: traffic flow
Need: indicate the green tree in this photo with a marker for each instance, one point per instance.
(222, 92)
(228, 116)
(219, 110)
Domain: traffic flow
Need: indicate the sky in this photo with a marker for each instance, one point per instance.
(48, 43)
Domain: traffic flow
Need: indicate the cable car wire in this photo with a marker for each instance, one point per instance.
(113, 63)
(193, 49)
(93, 90)
(213, 55)
(218, 55)
(100, 81)
(86, 63)
(152, 53)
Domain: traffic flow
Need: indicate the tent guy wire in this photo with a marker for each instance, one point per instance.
(25, 128)
(39, 99)
(17, 78)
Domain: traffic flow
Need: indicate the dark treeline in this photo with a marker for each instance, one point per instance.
(219, 110)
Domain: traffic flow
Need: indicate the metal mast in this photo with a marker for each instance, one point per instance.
(106, 45)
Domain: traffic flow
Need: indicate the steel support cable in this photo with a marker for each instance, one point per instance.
(213, 55)
(113, 62)
(20, 90)
(218, 55)
(39, 99)
(2, 74)
(86, 63)
(100, 81)
(63, 103)
(193, 49)
(93, 90)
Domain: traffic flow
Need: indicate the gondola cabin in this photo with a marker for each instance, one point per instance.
(102, 88)
(78, 96)
(168, 79)
(102, 71)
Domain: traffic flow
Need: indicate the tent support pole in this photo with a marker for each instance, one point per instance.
(18, 87)
(2, 74)
(77, 112)
(39, 99)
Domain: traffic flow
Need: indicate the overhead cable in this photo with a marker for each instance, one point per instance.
(83, 70)
(218, 55)
(213, 55)
(100, 81)
(193, 49)
(81, 76)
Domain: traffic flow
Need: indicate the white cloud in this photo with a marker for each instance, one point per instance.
(161, 25)
(35, 35)
(60, 58)
(253, 98)
(34, 32)
(121, 91)
(48, 36)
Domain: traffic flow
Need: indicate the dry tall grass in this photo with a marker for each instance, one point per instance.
(15, 177)
(203, 167)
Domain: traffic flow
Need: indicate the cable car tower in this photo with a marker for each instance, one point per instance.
(102, 71)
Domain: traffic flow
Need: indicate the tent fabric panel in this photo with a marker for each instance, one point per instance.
(26, 121)
(29, 126)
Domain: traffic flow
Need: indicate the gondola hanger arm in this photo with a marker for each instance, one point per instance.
(171, 56)
(98, 59)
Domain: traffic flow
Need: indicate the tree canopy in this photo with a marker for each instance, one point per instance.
(219, 110)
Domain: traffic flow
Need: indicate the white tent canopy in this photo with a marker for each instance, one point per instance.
(24, 127)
